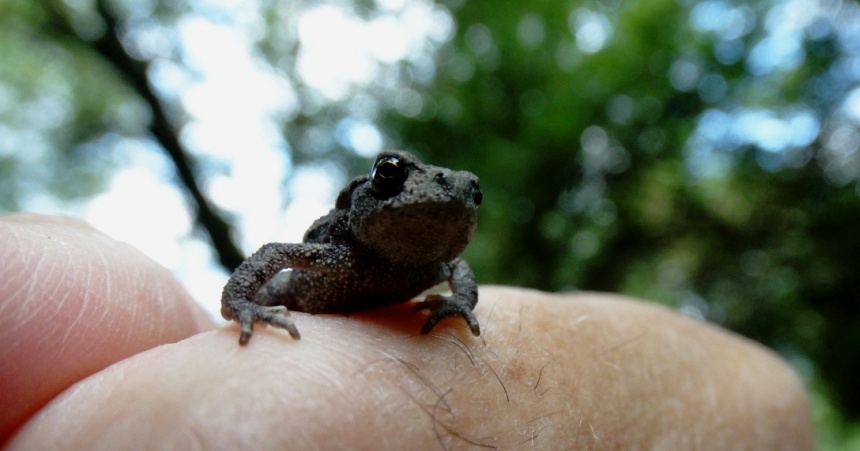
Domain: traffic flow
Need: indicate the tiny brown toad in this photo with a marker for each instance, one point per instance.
(392, 234)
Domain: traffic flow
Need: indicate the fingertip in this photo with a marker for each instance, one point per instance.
(81, 302)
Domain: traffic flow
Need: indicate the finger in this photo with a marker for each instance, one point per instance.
(591, 370)
(73, 302)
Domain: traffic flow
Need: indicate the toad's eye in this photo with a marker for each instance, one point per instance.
(388, 175)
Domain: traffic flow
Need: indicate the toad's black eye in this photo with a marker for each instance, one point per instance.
(388, 175)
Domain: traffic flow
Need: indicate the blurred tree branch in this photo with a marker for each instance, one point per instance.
(109, 46)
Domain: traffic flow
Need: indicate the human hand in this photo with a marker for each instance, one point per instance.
(550, 371)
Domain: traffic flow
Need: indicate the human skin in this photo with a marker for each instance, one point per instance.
(103, 349)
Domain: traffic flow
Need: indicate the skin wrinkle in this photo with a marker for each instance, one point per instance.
(153, 294)
(98, 286)
(33, 307)
(80, 313)
(28, 312)
(15, 306)
(153, 318)
(19, 297)
(40, 303)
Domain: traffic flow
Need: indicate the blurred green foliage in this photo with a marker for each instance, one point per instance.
(700, 154)
(60, 107)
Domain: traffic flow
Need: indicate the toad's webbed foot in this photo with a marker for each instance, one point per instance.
(246, 313)
(441, 307)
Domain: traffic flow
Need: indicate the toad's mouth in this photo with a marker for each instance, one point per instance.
(419, 233)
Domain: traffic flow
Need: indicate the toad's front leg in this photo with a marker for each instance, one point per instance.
(237, 299)
(464, 297)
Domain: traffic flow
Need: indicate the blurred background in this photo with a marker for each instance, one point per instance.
(700, 154)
